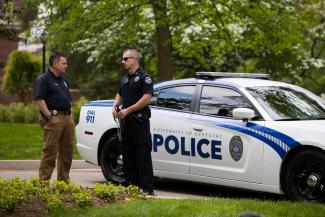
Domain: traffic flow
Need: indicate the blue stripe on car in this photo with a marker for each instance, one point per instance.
(100, 104)
(278, 141)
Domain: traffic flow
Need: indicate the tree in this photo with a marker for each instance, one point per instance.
(183, 36)
(15, 17)
(20, 73)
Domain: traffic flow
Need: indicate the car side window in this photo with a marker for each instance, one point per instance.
(221, 101)
(176, 97)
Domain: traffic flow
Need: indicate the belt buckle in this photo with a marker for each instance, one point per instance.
(55, 112)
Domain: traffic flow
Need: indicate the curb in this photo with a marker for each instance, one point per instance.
(34, 165)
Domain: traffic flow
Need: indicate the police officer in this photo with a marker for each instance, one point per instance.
(134, 95)
(54, 101)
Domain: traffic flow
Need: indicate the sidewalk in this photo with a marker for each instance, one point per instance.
(34, 165)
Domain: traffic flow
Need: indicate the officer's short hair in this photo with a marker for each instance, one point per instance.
(55, 56)
(135, 53)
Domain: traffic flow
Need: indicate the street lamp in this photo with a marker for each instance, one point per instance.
(43, 40)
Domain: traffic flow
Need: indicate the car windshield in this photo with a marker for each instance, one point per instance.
(286, 103)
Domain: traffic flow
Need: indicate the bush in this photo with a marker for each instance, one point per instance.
(28, 113)
(19, 113)
(20, 72)
(15, 191)
(76, 108)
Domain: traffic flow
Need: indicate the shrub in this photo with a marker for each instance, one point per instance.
(15, 191)
(82, 199)
(19, 113)
(28, 113)
(20, 72)
(54, 202)
(76, 108)
(106, 192)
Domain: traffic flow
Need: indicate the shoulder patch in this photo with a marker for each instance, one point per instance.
(148, 80)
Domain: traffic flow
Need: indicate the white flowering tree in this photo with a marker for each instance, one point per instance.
(284, 38)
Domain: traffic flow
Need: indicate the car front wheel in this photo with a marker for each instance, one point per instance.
(111, 160)
(305, 177)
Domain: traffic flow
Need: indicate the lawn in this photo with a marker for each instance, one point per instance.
(200, 208)
(22, 142)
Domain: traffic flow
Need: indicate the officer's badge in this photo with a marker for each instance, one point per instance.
(148, 80)
(236, 148)
(55, 112)
(126, 80)
(136, 78)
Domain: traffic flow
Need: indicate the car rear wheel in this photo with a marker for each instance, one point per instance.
(305, 177)
(111, 160)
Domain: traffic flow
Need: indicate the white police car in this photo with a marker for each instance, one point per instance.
(223, 129)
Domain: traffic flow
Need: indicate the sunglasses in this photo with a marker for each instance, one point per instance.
(126, 58)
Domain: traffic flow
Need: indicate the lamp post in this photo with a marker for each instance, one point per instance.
(43, 40)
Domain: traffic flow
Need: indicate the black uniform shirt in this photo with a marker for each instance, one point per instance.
(133, 87)
(53, 90)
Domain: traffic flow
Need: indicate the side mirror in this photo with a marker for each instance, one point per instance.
(244, 114)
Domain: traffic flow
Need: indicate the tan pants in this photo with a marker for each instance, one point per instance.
(58, 139)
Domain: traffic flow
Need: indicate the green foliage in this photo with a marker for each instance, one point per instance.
(29, 113)
(76, 109)
(283, 38)
(82, 199)
(111, 192)
(106, 191)
(19, 113)
(54, 202)
(15, 191)
(20, 73)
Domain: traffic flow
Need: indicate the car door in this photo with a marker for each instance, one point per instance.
(171, 112)
(224, 147)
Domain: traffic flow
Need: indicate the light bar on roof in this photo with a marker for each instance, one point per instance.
(231, 75)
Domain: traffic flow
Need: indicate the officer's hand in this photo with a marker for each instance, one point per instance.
(114, 112)
(123, 113)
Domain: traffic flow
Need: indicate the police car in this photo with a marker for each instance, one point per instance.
(232, 129)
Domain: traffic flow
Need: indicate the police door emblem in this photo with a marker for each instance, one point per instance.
(236, 148)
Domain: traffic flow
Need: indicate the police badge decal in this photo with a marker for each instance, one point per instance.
(236, 148)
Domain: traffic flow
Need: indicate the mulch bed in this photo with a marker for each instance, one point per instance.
(36, 207)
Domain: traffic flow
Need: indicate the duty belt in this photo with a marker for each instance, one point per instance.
(62, 112)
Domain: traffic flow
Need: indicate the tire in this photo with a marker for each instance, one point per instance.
(111, 161)
(305, 177)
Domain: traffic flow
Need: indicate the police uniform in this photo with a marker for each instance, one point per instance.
(137, 143)
(59, 130)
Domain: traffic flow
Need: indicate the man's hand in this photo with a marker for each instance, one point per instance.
(123, 113)
(114, 112)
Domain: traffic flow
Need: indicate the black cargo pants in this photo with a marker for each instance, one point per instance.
(136, 151)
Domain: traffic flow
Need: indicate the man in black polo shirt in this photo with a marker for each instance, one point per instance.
(134, 95)
(54, 101)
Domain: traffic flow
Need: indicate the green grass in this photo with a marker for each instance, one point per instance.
(199, 208)
(22, 142)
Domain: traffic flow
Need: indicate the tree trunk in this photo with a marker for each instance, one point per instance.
(163, 39)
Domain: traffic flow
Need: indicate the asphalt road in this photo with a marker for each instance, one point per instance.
(164, 188)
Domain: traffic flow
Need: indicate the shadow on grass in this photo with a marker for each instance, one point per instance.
(208, 190)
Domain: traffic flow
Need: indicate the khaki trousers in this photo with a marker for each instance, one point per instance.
(58, 140)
